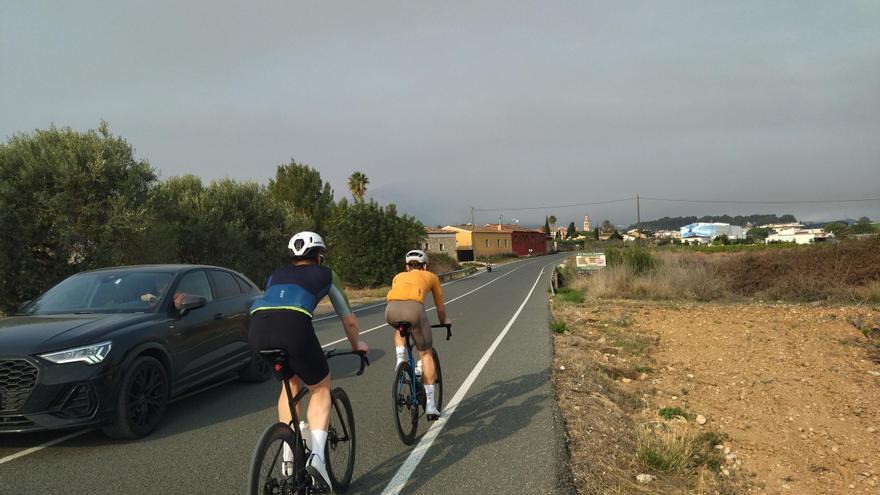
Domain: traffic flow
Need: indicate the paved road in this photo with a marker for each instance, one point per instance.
(505, 432)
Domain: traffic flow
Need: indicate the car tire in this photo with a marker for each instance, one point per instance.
(141, 400)
(258, 370)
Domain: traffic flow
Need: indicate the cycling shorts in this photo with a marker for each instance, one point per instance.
(293, 332)
(412, 312)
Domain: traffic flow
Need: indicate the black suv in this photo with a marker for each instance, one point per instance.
(110, 347)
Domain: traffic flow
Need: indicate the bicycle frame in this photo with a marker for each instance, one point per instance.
(284, 374)
(403, 329)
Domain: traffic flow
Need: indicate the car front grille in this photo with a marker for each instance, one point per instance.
(17, 380)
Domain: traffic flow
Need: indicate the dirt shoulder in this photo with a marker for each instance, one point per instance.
(790, 395)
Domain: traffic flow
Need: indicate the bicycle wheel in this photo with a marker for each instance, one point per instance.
(266, 475)
(406, 407)
(340, 447)
(438, 381)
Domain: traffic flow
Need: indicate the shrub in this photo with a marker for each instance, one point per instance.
(666, 448)
(569, 295)
(558, 326)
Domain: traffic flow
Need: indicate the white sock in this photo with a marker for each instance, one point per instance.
(401, 353)
(429, 395)
(288, 453)
(319, 440)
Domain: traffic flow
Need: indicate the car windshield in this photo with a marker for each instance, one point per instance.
(103, 292)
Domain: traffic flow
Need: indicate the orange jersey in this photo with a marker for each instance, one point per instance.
(414, 285)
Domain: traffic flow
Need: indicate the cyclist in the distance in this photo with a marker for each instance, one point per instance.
(282, 319)
(406, 303)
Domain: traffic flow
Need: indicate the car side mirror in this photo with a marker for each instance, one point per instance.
(189, 302)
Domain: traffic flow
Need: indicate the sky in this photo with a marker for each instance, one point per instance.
(494, 104)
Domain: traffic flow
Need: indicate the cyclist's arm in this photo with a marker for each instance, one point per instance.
(437, 291)
(343, 309)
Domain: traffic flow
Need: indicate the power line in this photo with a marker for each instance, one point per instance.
(737, 202)
(557, 206)
(679, 200)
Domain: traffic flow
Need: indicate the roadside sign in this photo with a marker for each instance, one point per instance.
(590, 261)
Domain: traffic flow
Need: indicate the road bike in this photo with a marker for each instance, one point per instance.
(408, 391)
(266, 473)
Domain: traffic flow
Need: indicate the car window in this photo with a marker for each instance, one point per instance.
(224, 285)
(247, 286)
(195, 283)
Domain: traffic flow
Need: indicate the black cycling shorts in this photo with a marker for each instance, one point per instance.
(293, 332)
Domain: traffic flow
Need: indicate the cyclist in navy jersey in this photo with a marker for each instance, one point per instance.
(282, 319)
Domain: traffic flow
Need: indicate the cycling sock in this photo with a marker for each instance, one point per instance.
(288, 453)
(401, 353)
(319, 439)
(429, 395)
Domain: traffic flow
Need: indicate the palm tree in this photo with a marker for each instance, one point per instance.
(552, 222)
(357, 184)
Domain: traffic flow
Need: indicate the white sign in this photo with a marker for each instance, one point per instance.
(590, 261)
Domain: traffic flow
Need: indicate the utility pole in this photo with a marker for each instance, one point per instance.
(639, 217)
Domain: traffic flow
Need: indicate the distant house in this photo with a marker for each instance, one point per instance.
(800, 235)
(524, 242)
(633, 235)
(439, 241)
(474, 243)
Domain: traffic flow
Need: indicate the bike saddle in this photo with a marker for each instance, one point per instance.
(275, 354)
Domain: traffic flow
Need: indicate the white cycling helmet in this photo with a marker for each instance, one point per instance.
(417, 256)
(306, 244)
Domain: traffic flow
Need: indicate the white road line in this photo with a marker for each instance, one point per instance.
(403, 474)
(431, 308)
(43, 446)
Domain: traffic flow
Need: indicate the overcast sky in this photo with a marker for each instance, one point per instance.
(445, 105)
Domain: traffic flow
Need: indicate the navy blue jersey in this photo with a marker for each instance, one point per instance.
(300, 288)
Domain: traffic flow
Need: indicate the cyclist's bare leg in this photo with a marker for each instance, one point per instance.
(284, 415)
(429, 374)
(319, 404)
(398, 340)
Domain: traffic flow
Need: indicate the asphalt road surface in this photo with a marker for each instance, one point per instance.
(500, 429)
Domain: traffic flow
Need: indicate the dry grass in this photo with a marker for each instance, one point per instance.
(667, 447)
(846, 272)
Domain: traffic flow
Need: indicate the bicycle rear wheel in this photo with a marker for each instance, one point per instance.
(405, 405)
(266, 476)
(340, 447)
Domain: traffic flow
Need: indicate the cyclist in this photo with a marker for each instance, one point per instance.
(406, 303)
(282, 319)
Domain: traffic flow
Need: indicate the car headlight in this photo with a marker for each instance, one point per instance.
(92, 354)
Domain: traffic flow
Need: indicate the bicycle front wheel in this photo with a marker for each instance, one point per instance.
(340, 447)
(267, 475)
(405, 404)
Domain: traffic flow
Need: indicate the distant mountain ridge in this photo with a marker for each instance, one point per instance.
(675, 223)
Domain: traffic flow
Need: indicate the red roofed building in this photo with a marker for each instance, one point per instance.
(524, 242)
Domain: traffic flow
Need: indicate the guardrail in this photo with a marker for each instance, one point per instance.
(464, 272)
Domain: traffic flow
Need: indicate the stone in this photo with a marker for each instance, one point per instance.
(561, 367)
(625, 380)
(701, 420)
(645, 478)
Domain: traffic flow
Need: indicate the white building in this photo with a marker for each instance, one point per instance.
(712, 230)
(800, 235)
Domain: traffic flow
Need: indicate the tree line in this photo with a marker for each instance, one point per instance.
(72, 201)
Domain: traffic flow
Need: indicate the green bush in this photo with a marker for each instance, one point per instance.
(569, 295)
(636, 258)
(558, 326)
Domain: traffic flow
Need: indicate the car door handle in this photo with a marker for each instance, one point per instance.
(219, 316)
